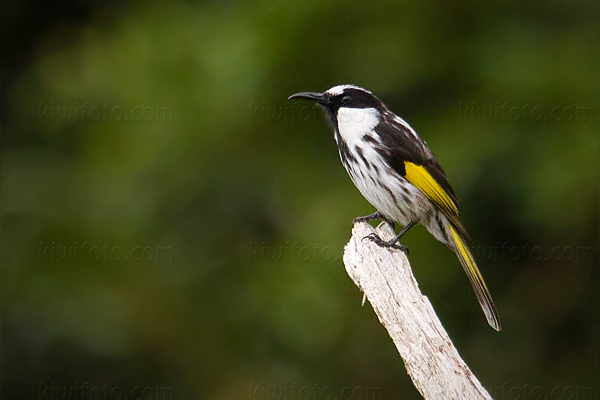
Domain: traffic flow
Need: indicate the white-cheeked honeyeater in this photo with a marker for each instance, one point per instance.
(396, 172)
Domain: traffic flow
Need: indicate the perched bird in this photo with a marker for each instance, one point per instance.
(396, 172)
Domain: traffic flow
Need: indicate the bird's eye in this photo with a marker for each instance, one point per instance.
(346, 99)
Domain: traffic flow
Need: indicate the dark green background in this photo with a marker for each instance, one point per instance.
(245, 192)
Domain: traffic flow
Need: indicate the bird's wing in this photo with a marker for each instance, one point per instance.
(409, 156)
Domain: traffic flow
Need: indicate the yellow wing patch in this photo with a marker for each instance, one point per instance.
(418, 176)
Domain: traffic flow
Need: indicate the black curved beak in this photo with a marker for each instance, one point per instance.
(318, 98)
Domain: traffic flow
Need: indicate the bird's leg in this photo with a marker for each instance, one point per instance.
(394, 243)
(375, 215)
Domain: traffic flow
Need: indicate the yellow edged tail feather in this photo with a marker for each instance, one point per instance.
(419, 176)
(481, 290)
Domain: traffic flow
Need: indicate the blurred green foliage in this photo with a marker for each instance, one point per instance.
(246, 191)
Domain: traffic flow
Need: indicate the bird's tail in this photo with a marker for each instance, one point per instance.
(481, 290)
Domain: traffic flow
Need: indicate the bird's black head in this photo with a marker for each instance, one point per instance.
(342, 97)
(347, 96)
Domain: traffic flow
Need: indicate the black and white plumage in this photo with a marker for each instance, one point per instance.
(396, 172)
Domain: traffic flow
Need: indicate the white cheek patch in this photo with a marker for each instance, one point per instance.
(354, 123)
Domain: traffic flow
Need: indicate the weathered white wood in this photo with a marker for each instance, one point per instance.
(385, 277)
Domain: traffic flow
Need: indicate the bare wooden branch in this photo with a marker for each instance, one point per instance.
(385, 277)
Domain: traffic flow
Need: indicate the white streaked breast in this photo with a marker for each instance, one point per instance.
(378, 182)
